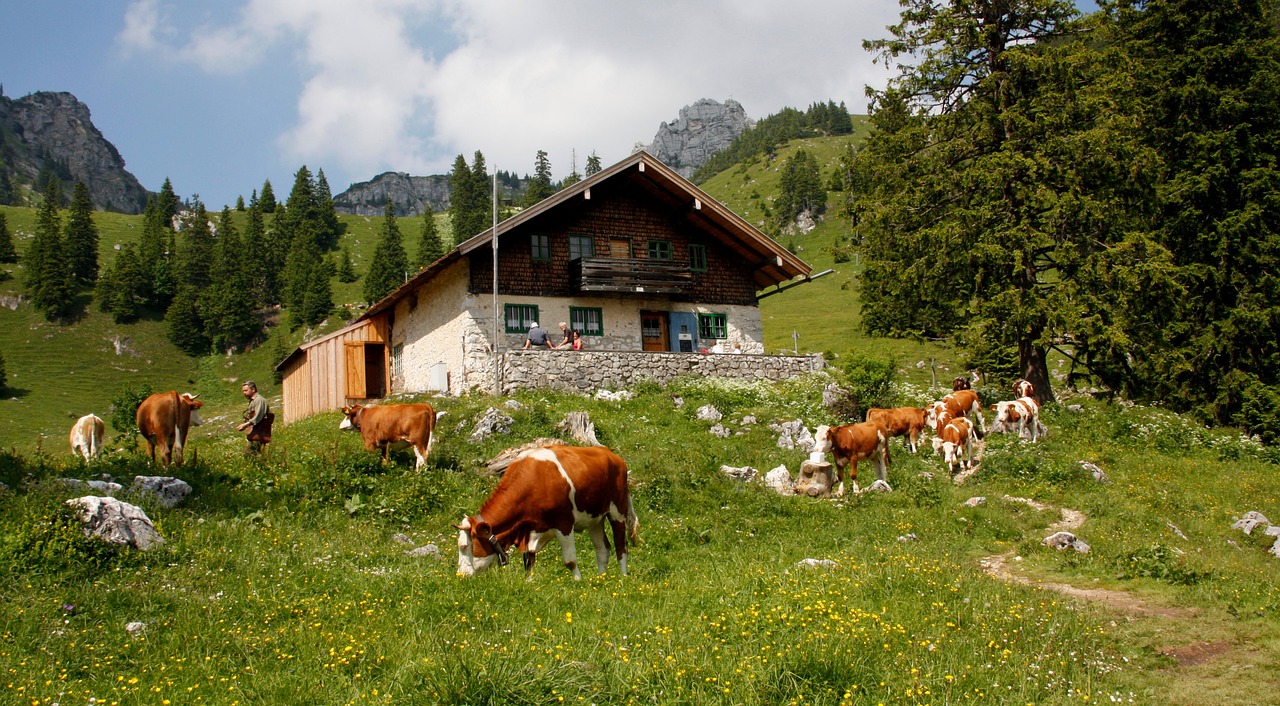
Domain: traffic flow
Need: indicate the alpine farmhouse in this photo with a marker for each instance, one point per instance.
(649, 269)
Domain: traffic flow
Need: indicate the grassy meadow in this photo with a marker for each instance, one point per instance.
(288, 580)
(282, 581)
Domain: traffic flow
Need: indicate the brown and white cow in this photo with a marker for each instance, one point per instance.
(960, 383)
(1019, 414)
(1023, 388)
(394, 426)
(546, 493)
(955, 439)
(907, 422)
(962, 403)
(86, 436)
(164, 419)
(851, 443)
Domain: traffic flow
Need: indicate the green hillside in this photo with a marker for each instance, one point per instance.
(58, 373)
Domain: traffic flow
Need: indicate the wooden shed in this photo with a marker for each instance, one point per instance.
(347, 366)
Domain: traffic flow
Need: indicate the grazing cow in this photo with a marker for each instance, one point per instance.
(907, 422)
(1023, 388)
(551, 492)
(86, 436)
(960, 383)
(394, 425)
(963, 403)
(852, 443)
(955, 438)
(1018, 413)
(163, 419)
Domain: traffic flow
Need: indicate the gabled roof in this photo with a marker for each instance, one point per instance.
(774, 264)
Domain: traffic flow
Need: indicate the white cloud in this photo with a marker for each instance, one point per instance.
(407, 85)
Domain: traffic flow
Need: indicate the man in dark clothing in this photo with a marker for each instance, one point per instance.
(257, 419)
(537, 337)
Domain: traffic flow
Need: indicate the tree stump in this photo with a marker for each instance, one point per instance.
(498, 464)
(579, 427)
(815, 479)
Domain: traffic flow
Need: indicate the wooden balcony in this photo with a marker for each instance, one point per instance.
(615, 274)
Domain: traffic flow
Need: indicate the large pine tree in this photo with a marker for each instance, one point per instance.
(226, 306)
(168, 203)
(49, 279)
(540, 186)
(462, 199)
(430, 248)
(389, 264)
(122, 288)
(155, 257)
(7, 252)
(81, 237)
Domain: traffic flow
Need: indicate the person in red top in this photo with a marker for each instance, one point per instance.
(577, 341)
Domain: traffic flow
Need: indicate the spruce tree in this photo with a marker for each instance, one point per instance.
(194, 261)
(267, 199)
(7, 252)
(122, 287)
(346, 271)
(462, 199)
(259, 260)
(430, 248)
(386, 270)
(226, 306)
(593, 164)
(186, 329)
(540, 186)
(326, 213)
(81, 238)
(48, 272)
(318, 300)
(240, 203)
(154, 257)
(168, 204)
(8, 195)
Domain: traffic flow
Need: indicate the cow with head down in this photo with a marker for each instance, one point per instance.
(907, 422)
(164, 420)
(851, 443)
(1019, 414)
(86, 436)
(954, 441)
(550, 493)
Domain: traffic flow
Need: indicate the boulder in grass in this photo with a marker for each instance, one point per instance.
(116, 522)
(720, 430)
(165, 490)
(975, 501)
(708, 413)
(1066, 540)
(779, 479)
(878, 487)
(1251, 521)
(742, 473)
(101, 486)
(817, 563)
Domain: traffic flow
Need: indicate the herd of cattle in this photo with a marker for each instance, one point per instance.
(553, 491)
(951, 418)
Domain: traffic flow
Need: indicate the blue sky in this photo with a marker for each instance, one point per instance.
(220, 96)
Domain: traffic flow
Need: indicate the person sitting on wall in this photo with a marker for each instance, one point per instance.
(565, 343)
(577, 341)
(537, 337)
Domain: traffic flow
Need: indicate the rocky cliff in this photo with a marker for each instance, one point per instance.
(52, 133)
(410, 194)
(702, 129)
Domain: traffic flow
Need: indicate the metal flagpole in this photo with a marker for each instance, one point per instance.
(497, 381)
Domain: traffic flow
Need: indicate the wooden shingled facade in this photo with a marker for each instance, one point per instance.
(347, 366)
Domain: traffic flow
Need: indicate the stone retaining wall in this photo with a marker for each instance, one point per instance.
(587, 371)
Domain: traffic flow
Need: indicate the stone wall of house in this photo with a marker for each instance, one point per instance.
(430, 328)
(587, 371)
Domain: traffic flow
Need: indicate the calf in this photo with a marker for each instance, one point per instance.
(546, 493)
(907, 422)
(1018, 413)
(852, 443)
(394, 425)
(86, 436)
(954, 439)
(960, 383)
(164, 419)
(962, 403)
(1023, 388)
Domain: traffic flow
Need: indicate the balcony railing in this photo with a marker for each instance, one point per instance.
(615, 274)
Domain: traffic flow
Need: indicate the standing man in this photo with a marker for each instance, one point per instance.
(257, 419)
(537, 337)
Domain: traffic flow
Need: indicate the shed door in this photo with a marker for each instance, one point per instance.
(366, 370)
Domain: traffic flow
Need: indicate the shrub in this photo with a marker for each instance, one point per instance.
(1162, 563)
(1259, 412)
(869, 381)
(124, 413)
